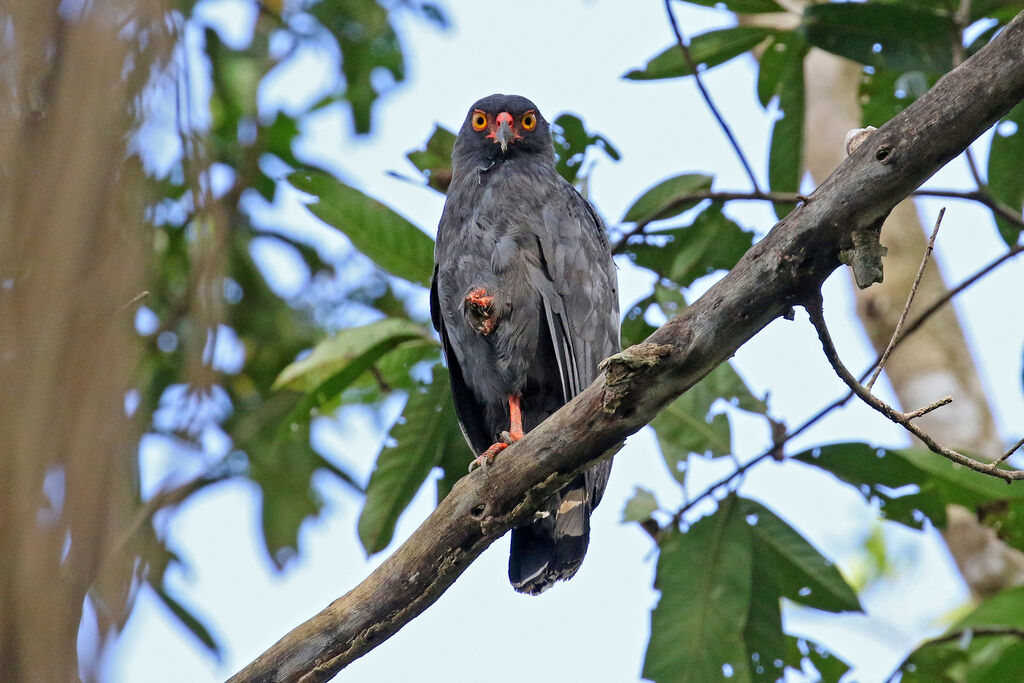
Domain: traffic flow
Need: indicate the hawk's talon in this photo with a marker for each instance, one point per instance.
(487, 457)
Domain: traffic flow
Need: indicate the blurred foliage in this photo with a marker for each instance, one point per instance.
(985, 645)
(722, 579)
(222, 333)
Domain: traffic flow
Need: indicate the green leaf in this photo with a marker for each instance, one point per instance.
(281, 463)
(285, 478)
(1003, 609)
(975, 652)
(883, 35)
(781, 76)
(712, 242)
(711, 48)
(370, 51)
(687, 425)
(640, 507)
(1006, 519)
(1003, 11)
(392, 242)
(435, 159)
(831, 667)
(397, 331)
(885, 93)
(668, 198)
(189, 621)
(418, 442)
(634, 328)
(742, 6)
(763, 634)
(277, 138)
(572, 142)
(909, 483)
(802, 573)
(1005, 180)
(359, 345)
(455, 461)
(704, 577)
(682, 428)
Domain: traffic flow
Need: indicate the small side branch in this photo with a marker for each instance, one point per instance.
(982, 197)
(910, 301)
(775, 197)
(1006, 456)
(948, 296)
(904, 419)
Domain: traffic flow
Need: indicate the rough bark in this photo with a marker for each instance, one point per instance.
(785, 268)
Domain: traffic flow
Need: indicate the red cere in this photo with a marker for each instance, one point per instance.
(504, 116)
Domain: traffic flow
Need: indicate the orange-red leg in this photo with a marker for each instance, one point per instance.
(516, 414)
(514, 433)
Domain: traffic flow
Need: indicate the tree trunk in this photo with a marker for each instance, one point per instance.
(72, 259)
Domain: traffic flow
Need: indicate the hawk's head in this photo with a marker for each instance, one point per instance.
(503, 126)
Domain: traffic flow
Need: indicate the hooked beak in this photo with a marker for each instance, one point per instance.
(503, 136)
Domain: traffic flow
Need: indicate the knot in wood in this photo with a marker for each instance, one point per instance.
(622, 368)
(884, 153)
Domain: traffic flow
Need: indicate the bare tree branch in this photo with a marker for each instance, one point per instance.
(785, 268)
(903, 419)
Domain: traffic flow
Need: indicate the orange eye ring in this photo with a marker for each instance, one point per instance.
(478, 120)
(529, 121)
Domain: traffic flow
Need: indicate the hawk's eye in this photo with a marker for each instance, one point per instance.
(479, 120)
(529, 121)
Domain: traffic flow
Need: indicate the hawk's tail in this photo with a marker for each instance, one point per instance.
(552, 546)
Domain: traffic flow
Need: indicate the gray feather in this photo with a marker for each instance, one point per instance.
(513, 227)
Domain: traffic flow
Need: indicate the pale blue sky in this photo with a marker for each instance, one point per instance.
(566, 56)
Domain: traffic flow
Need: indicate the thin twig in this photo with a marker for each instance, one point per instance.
(168, 498)
(700, 195)
(1006, 456)
(134, 300)
(779, 442)
(982, 196)
(979, 196)
(977, 632)
(707, 97)
(910, 300)
(818, 320)
(972, 166)
(945, 298)
(944, 401)
(638, 229)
